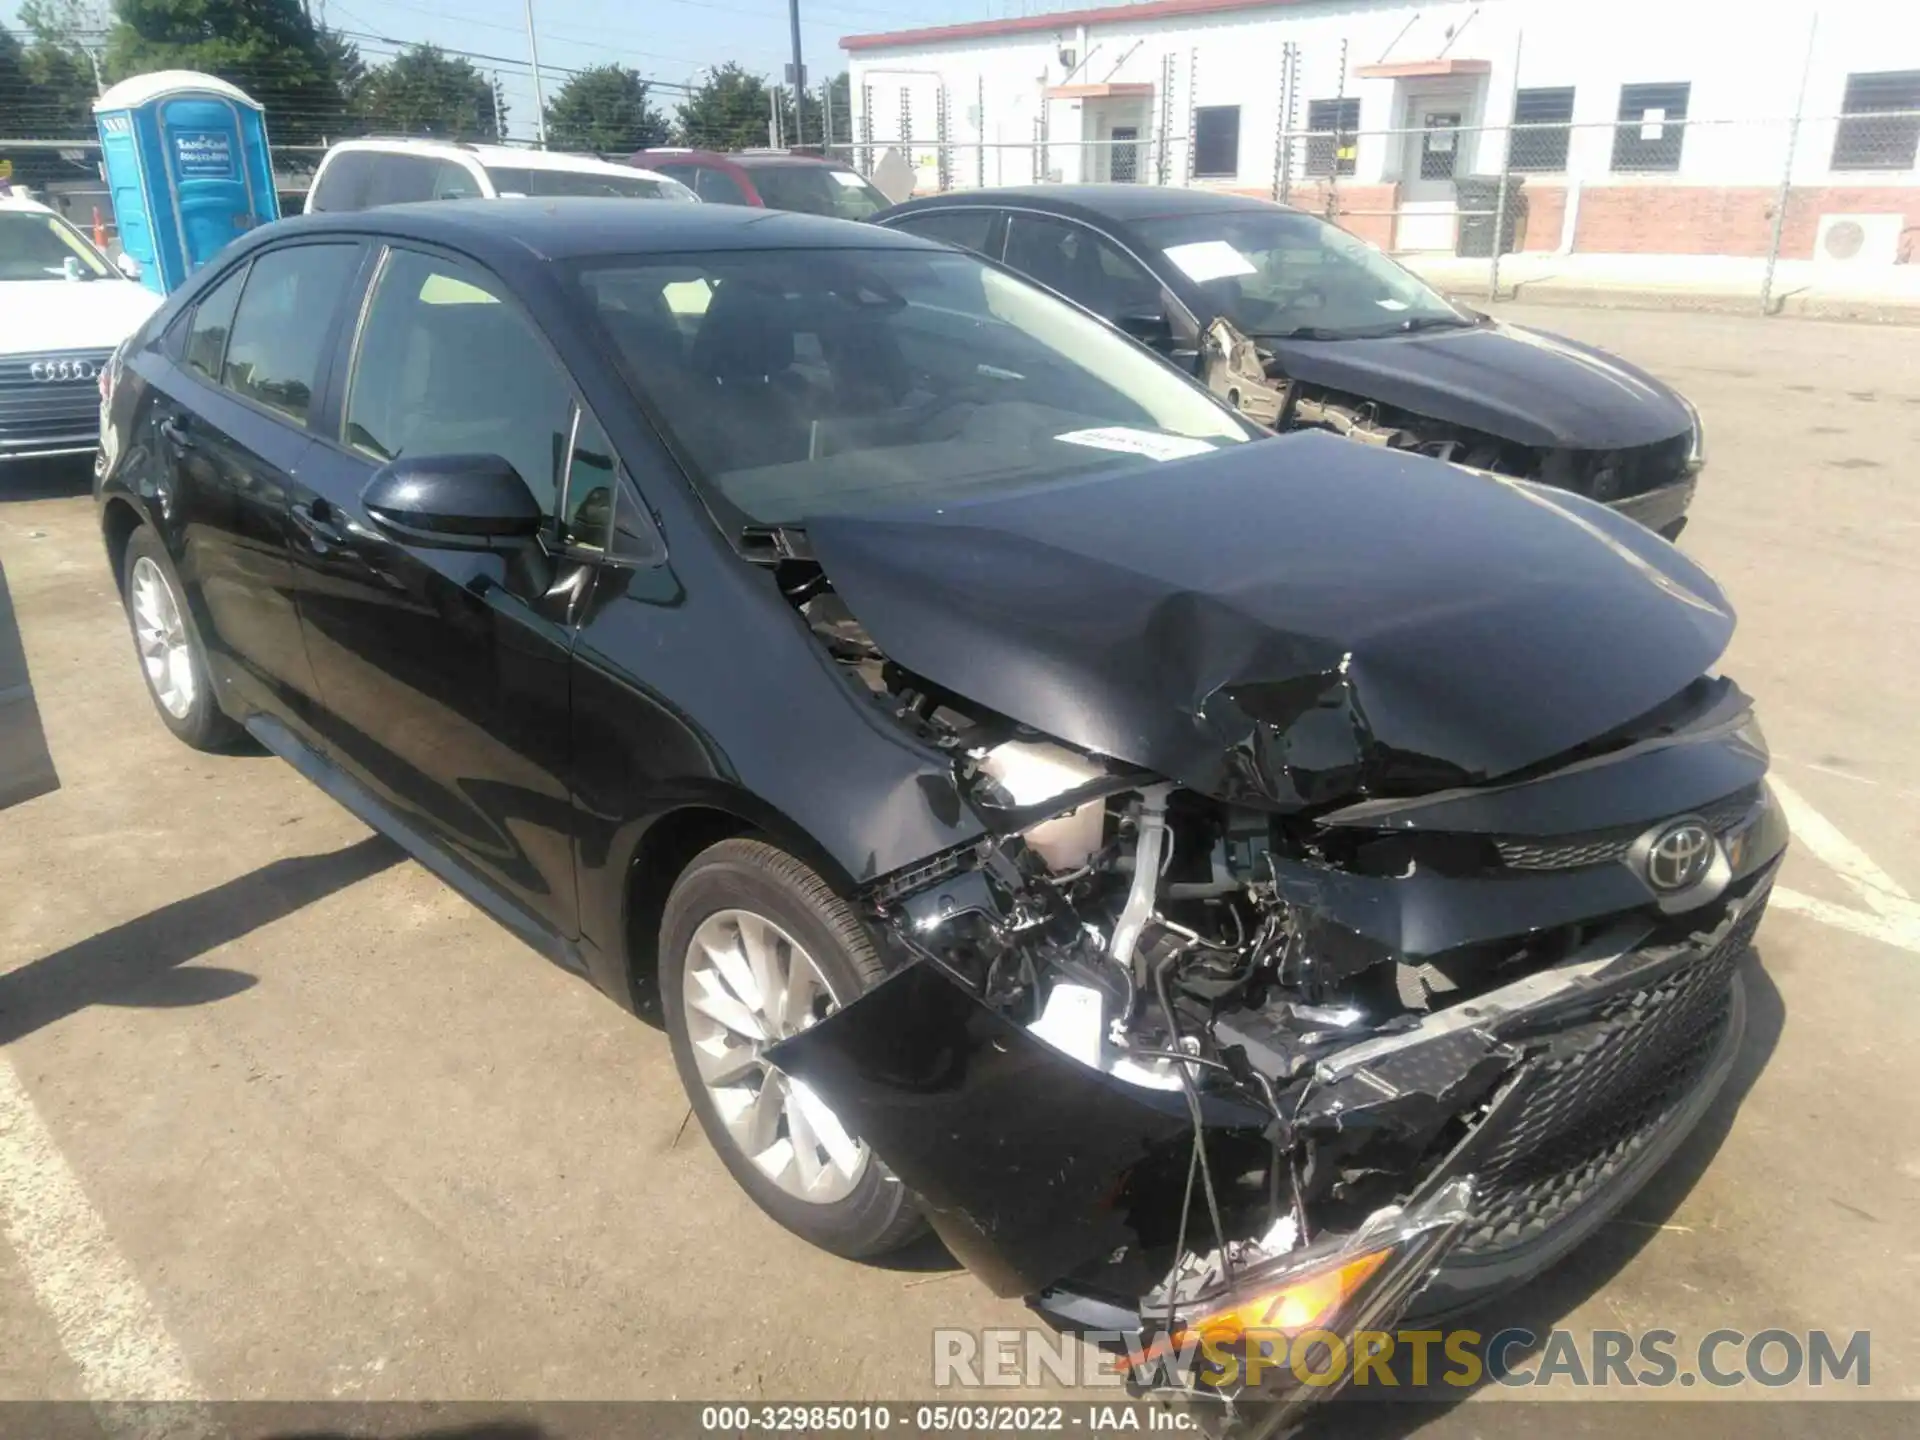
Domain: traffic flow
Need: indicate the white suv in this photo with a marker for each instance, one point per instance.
(360, 174)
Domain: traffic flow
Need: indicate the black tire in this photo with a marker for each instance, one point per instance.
(204, 726)
(878, 1216)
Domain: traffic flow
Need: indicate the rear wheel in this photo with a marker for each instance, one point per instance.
(171, 657)
(755, 947)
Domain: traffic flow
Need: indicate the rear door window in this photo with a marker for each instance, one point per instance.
(281, 327)
(401, 179)
(717, 187)
(970, 229)
(343, 183)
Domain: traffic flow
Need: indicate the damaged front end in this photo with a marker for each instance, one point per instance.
(1652, 481)
(1300, 976)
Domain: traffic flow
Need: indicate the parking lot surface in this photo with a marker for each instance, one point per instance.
(281, 1116)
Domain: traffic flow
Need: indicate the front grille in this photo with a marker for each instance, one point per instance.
(1618, 474)
(1597, 847)
(1601, 1093)
(34, 411)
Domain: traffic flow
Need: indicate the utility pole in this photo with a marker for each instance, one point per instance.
(539, 100)
(799, 78)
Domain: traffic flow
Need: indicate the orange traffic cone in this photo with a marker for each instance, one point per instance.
(99, 229)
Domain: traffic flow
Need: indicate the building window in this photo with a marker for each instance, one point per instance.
(1652, 125)
(1871, 139)
(1216, 142)
(1332, 154)
(1541, 149)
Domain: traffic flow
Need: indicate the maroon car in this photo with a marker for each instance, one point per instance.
(773, 179)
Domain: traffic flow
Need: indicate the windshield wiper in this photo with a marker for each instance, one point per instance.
(1438, 322)
(1304, 332)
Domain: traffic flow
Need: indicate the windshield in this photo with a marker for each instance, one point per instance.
(817, 190)
(543, 183)
(795, 383)
(1277, 272)
(36, 246)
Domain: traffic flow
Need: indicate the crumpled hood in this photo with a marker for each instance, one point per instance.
(1521, 385)
(1289, 622)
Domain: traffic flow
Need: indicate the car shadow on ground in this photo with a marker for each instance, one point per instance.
(144, 961)
(1544, 1302)
(56, 479)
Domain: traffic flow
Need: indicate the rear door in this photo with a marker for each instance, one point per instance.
(231, 426)
(444, 673)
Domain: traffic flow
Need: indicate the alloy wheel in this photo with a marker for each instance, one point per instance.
(161, 633)
(749, 984)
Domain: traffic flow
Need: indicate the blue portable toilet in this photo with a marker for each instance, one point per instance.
(186, 161)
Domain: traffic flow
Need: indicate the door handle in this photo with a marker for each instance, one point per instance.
(174, 430)
(316, 518)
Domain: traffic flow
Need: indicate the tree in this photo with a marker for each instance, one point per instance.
(813, 132)
(425, 91)
(58, 68)
(269, 48)
(727, 112)
(605, 109)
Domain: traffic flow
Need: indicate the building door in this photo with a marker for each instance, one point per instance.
(1126, 154)
(1433, 143)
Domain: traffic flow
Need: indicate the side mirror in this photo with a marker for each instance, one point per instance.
(1151, 329)
(453, 502)
(127, 265)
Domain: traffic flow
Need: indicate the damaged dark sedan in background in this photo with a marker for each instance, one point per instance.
(1221, 882)
(1299, 324)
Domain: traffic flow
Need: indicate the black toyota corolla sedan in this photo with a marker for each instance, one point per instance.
(1207, 876)
(1301, 325)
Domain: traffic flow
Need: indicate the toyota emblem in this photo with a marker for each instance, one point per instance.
(1680, 856)
(52, 371)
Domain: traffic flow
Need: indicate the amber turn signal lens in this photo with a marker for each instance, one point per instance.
(1298, 1305)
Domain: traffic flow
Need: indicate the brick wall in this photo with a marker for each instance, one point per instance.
(1731, 220)
(1546, 213)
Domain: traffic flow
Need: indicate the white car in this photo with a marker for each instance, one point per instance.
(63, 310)
(360, 174)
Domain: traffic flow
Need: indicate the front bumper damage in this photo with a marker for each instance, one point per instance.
(1536, 1111)
(1310, 965)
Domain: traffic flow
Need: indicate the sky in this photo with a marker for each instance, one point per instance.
(667, 40)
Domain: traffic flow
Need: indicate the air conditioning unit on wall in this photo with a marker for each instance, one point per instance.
(1858, 239)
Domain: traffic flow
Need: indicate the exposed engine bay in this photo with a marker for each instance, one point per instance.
(1150, 1036)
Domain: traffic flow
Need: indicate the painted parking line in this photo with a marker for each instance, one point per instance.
(1890, 915)
(106, 1322)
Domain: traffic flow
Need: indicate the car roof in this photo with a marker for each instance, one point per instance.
(500, 155)
(14, 200)
(503, 231)
(770, 159)
(1094, 202)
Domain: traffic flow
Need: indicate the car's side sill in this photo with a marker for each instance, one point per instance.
(360, 802)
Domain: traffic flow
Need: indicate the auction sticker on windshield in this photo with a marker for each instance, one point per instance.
(1205, 260)
(848, 179)
(1149, 443)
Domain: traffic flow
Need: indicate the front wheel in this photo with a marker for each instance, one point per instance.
(754, 947)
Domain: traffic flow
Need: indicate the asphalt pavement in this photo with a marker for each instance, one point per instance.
(282, 1117)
